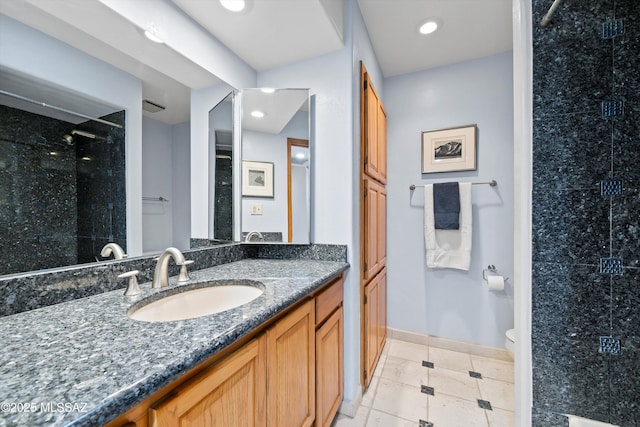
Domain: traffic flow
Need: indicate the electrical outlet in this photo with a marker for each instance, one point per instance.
(256, 209)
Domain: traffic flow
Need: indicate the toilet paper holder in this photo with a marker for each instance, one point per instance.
(491, 269)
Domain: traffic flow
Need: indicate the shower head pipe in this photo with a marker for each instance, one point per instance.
(547, 18)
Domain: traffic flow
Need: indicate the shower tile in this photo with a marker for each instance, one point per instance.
(570, 226)
(626, 310)
(626, 157)
(625, 49)
(569, 302)
(625, 212)
(611, 266)
(570, 376)
(611, 187)
(612, 108)
(625, 368)
(565, 148)
(610, 345)
(625, 393)
(579, 59)
(545, 418)
(612, 28)
(570, 311)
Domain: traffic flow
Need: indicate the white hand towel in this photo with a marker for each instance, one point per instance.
(448, 248)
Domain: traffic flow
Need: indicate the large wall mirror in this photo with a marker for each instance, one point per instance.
(62, 175)
(276, 167)
(221, 174)
(68, 184)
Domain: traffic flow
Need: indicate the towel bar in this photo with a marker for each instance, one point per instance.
(491, 183)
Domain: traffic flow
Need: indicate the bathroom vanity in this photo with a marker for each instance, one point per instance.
(276, 358)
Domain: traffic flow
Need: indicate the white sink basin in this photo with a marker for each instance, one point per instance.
(215, 298)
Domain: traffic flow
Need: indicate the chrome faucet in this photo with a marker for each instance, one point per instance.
(113, 248)
(252, 234)
(161, 273)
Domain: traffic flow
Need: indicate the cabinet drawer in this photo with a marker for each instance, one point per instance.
(328, 300)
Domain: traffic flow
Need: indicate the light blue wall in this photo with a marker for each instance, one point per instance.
(450, 303)
(157, 178)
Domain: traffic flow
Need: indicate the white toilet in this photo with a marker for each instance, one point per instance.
(510, 340)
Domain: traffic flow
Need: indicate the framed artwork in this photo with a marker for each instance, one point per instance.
(257, 179)
(449, 150)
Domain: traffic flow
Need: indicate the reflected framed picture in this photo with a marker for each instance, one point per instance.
(449, 150)
(257, 179)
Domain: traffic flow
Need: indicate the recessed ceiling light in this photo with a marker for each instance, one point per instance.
(152, 32)
(267, 90)
(233, 5)
(300, 156)
(430, 26)
(257, 114)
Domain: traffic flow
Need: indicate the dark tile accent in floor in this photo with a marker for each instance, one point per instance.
(427, 364)
(424, 423)
(427, 390)
(475, 374)
(485, 404)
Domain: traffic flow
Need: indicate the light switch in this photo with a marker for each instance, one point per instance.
(256, 209)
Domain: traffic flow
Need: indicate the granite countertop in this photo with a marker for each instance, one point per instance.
(84, 362)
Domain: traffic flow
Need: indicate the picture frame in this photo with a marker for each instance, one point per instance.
(449, 150)
(257, 179)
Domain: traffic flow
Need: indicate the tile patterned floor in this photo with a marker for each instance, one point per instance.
(457, 391)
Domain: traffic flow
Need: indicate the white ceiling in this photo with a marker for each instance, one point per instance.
(269, 34)
(470, 29)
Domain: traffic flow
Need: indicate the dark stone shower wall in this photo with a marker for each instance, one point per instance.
(37, 192)
(586, 212)
(101, 187)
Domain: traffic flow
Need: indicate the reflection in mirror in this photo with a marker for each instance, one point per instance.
(221, 171)
(62, 177)
(275, 184)
(298, 190)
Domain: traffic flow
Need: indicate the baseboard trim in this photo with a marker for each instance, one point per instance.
(350, 407)
(449, 344)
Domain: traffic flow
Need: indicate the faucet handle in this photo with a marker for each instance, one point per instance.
(132, 286)
(184, 274)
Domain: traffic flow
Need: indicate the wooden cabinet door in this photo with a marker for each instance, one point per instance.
(381, 236)
(291, 369)
(381, 136)
(329, 368)
(371, 150)
(375, 228)
(382, 309)
(371, 322)
(375, 322)
(230, 393)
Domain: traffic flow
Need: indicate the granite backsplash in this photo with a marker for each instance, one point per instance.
(28, 291)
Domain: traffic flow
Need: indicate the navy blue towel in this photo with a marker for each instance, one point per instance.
(446, 206)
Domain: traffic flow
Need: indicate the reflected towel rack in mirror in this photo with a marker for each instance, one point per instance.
(491, 183)
(155, 199)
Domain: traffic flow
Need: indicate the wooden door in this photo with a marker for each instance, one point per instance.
(329, 368)
(231, 393)
(291, 369)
